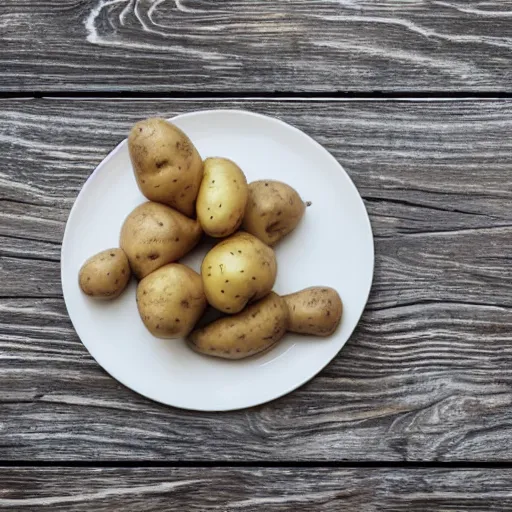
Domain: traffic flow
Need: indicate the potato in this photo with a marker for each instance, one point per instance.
(316, 310)
(167, 166)
(105, 275)
(154, 235)
(171, 300)
(261, 325)
(222, 197)
(238, 270)
(273, 210)
(254, 330)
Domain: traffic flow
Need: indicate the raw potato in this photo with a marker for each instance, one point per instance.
(154, 235)
(222, 197)
(238, 270)
(167, 166)
(105, 275)
(171, 301)
(316, 310)
(260, 326)
(273, 210)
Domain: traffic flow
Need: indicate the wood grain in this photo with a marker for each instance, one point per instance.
(235, 46)
(251, 489)
(427, 374)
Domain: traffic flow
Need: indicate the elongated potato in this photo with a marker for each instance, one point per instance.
(316, 310)
(222, 197)
(105, 275)
(273, 210)
(236, 271)
(154, 235)
(171, 300)
(254, 330)
(167, 166)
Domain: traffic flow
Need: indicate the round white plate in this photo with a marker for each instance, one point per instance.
(332, 246)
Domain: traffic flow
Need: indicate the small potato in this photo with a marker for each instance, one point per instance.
(154, 235)
(222, 197)
(316, 310)
(171, 301)
(273, 210)
(167, 166)
(254, 330)
(105, 275)
(238, 270)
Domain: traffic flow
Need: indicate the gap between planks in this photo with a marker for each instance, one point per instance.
(258, 96)
(254, 464)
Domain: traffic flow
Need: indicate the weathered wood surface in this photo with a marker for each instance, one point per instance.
(427, 374)
(244, 490)
(236, 46)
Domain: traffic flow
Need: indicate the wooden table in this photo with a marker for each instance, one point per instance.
(414, 100)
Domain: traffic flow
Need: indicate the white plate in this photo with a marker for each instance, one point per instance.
(332, 246)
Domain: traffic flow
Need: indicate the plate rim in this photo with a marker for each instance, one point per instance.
(285, 125)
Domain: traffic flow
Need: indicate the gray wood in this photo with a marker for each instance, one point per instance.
(244, 490)
(427, 374)
(235, 46)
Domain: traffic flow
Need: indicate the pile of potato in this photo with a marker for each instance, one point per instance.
(189, 197)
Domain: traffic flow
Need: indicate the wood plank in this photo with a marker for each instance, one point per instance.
(236, 46)
(427, 374)
(249, 489)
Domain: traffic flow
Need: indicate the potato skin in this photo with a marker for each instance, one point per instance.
(154, 235)
(105, 275)
(167, 166)
(273, 210)
(171, 300)
(257, 328)
(236, 271)
(222, 197)
(316, 310)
